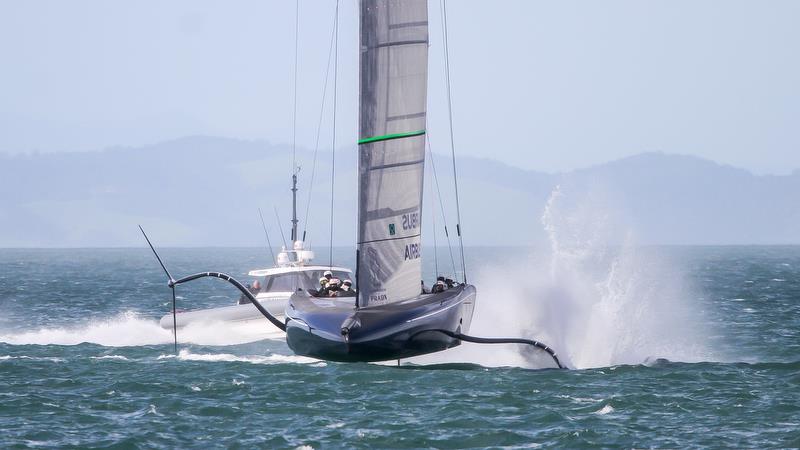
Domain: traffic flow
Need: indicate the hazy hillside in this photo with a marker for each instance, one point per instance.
(206, 191)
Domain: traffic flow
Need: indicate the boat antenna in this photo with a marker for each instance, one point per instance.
(294, 205)
(319, 132)
(266, 235)
(333, 146)
(171, 285)
(278, 219)
(452, 144)
(295, 169)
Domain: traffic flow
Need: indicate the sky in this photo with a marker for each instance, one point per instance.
(550, 86)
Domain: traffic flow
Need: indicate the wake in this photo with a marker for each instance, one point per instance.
(129, 329)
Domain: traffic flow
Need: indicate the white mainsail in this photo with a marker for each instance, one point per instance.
(393, 93)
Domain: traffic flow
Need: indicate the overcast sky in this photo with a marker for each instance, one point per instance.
(539, 84)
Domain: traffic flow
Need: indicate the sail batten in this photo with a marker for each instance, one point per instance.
(392, 104)
(387, 137)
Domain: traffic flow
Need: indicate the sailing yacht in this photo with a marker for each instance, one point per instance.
(392, 316)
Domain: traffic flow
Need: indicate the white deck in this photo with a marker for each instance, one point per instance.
(281, 270)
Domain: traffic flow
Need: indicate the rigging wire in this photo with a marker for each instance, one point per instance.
(269, 244)
(333, 146)
(319, 130)
(278, 219)
(443, 4)
(441, 203)
(435, 252)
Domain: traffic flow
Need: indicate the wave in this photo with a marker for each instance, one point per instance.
(186, 355)
(32, 358)
(607, 409)
(112, 357)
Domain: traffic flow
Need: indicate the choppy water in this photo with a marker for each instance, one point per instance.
(671, 347)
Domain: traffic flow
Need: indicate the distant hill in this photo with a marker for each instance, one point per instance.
(205, 191)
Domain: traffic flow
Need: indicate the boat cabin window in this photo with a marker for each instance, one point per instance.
(285, 282)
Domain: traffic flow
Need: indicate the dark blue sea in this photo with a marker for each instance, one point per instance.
(678, 347)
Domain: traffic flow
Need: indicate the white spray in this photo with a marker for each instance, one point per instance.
(130, 329)
(594, 296)
(609, 300)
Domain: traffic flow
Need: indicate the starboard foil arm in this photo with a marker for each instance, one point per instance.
(481, 340)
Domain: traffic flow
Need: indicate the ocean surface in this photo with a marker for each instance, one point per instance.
(679, 347)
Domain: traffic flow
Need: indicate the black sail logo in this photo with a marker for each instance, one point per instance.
(411, 221)
(412, 251)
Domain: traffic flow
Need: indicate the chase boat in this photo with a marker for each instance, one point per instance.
(293, 272)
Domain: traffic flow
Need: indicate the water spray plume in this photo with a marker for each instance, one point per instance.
(594, 295)
(129, 329)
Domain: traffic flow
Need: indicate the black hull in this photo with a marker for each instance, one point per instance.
(314, 326)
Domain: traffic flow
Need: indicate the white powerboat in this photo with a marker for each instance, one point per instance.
(293, 272)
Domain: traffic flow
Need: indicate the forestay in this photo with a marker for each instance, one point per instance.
(393, 83)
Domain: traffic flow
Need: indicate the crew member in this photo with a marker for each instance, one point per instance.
(334, 287)
(323, 288)
(438, 287)
(254, 289)
(244, 299)
(347, 289)
(424, 289)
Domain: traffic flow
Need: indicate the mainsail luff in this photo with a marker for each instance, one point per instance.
(393, 94)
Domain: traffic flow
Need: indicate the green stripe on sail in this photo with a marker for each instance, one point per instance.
(387, 137)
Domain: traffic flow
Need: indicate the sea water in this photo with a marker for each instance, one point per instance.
(668, 347)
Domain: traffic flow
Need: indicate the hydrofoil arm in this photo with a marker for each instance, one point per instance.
(480, 340)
